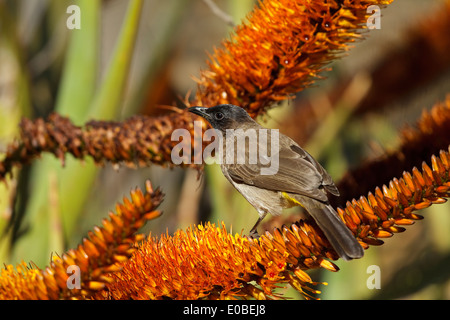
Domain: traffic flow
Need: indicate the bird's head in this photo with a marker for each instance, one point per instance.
(224, 116)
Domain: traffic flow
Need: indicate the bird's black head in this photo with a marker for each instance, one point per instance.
(224, 116)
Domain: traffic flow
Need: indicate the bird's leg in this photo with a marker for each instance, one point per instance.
(254, 232)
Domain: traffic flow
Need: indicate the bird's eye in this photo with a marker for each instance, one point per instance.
(219, 116)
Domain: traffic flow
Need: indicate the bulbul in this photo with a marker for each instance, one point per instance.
(298, 180)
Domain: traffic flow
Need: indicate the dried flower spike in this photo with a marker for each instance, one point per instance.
(138, 141)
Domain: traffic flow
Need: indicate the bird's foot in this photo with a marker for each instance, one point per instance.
(254, 234)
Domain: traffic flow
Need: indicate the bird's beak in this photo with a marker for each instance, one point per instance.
(201, 111)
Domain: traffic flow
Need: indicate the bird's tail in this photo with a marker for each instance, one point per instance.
(337, 233)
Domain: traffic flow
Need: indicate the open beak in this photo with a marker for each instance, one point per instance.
(201, 111)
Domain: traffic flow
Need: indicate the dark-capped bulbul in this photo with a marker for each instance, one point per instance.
(298, 180)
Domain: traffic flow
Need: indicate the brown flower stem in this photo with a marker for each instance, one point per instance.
(138, 141)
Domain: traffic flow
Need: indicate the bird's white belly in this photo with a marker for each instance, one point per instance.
(264, 201)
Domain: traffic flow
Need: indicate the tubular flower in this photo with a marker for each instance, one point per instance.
(207, 262)
(396, 74)
(388, 209)
(280, 50)
(430, 134)
(94, 261)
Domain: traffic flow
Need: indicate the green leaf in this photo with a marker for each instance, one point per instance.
(14, 103)
(79, 78)
(74, 99)
(109, 99)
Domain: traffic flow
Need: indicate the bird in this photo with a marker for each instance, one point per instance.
(298, 181)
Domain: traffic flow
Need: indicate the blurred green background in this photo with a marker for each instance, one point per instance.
(132, 56)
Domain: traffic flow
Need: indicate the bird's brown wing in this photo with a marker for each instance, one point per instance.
(327, 181)
(296, 173)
